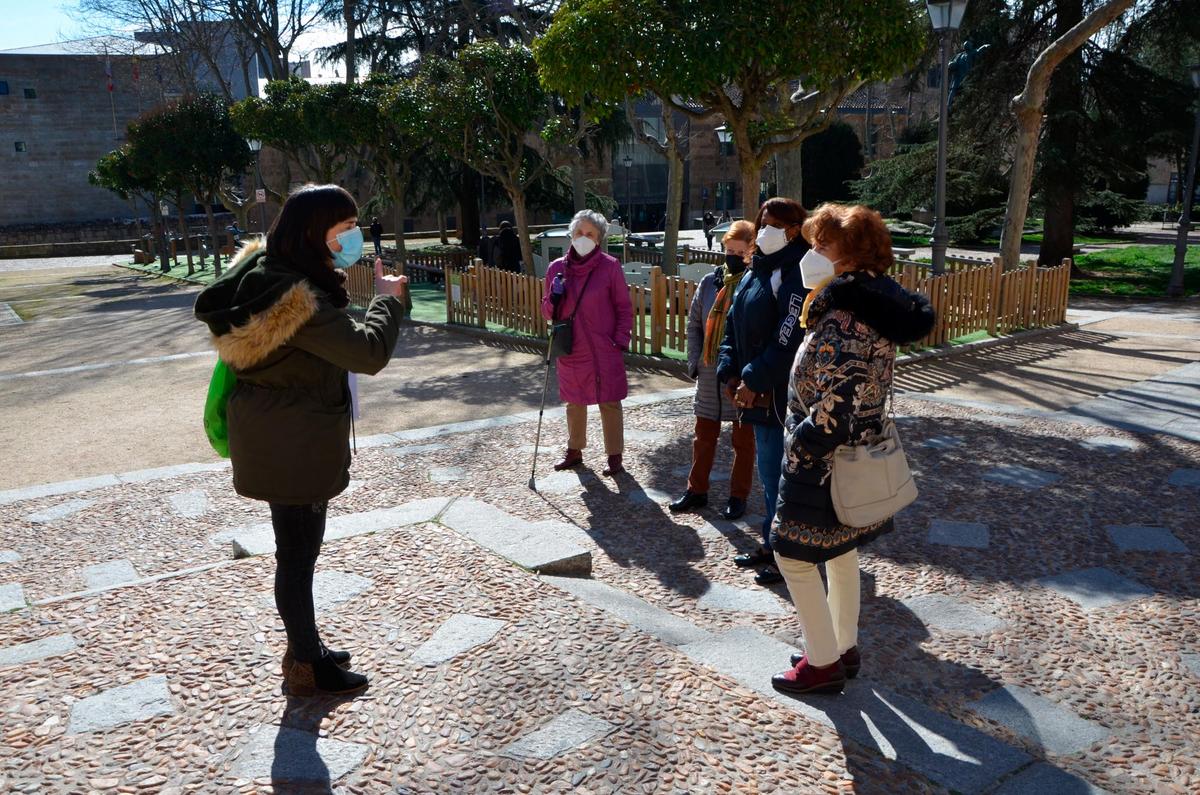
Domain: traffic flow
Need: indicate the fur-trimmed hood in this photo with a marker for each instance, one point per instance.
(255, 307)
(878, 301)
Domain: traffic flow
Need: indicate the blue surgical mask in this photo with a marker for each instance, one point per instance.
(352, 248)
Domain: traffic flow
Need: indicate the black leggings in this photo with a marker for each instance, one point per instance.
(299, 530)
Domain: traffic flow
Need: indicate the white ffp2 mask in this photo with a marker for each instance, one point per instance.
(770, 239)
(815, 268)
(583, 245)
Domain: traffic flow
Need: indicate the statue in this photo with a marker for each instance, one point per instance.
(960, 65)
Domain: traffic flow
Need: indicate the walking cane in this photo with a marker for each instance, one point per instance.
(542, 410)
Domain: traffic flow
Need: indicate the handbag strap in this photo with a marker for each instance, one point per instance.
(579, 298)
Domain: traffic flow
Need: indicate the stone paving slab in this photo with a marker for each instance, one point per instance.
(294, 755)
(956, 756)
(1095, 587)
(1168, 403)
(637, 612)
(952, 615)
(942, 442)
(167, 473)
(12, 597)
(720, 596)
(140, 700)
(973, 535)
(332, 588)
(415, 449)
(55, 489)
(524, 543)
(1044, 778)
(446, 474)
(460, 633)
(9, 556)
(1055, 728)
(1111, 444)
(569, 730)
(109, 573)
(189, 504)
(1142, 538)
(60, 511)
(37, 649)
(1022, 477)
(1191, 662)
(716, 476)
(566, 482)
(650, 497)
(9, 316)
(1189, 478)
(259, 538)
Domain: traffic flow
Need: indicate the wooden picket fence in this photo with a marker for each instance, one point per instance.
(972, 296)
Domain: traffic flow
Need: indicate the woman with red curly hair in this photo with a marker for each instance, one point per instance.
(854, 318)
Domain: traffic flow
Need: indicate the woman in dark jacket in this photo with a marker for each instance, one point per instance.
(762, 333)
(278, 319)
(712, 406)
(855, 318)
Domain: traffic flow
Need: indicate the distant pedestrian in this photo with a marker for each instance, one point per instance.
(506, 251)
(708, 223)
(279, 322)
(588, 286)
(377, 236)
(712, 407)
(725, 217)
(840, 382)
(484, 250)
(762, 333)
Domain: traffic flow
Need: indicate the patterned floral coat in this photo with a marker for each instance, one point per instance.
(838, 391)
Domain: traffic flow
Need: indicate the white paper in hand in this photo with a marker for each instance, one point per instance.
(355, 406)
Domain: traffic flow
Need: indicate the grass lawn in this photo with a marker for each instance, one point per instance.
(179, 272)
(1136, 272)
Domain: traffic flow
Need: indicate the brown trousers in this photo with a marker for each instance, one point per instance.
(704, 452)
(612, 421)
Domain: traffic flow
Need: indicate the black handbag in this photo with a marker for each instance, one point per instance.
(562, 333)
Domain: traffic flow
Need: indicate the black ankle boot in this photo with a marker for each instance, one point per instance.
(323, 676)
(342, 658)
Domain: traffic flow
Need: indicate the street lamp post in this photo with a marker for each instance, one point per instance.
(256, 148)
(724, 138)
(946, 17)
(1175, 288)
(628, 162)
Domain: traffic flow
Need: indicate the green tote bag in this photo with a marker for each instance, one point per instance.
(215, 425)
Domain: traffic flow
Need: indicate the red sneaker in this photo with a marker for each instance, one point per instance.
(805, 678)
(572, 458)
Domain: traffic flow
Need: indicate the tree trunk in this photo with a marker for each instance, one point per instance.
(213, 240)
(1060, 159)
(674, 206)
(751, 182)
(469, 211)
(517, 196)
(1027, 107)
(187, 242)
(442, 233)
(578, 183)
(161, 234)
(790, 178)
(401, 250)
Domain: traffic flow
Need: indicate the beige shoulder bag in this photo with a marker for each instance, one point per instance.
(871, 481)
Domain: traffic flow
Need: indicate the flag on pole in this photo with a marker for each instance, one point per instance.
(108, 73)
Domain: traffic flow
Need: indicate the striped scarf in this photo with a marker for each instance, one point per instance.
(714, 325)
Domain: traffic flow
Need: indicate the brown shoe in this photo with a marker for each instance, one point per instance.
(342, 658)
(323, 676)
(572, 458)
(614, 467)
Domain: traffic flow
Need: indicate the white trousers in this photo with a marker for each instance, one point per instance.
(829, 621)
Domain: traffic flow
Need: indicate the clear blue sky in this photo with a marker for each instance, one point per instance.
(24, 23)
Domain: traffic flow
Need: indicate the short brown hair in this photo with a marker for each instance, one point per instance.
(857, 230)
(740, 230)
(790, 211)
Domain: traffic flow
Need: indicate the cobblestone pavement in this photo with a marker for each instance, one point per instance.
(1029, 627)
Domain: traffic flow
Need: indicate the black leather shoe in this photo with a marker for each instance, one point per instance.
(759, 557)
(734, 509)
(768, 575)
(688, 502)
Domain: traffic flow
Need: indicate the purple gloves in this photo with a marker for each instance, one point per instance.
(558, 287)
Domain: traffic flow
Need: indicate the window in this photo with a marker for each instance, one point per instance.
(934, 78)
(725, 195)
(725, 148)
(19, 146)
(30, 93)
(3, 87)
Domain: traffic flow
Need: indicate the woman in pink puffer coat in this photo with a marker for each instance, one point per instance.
(589, 284)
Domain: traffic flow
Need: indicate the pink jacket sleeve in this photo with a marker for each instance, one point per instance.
(547, 307)
(619, 294)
